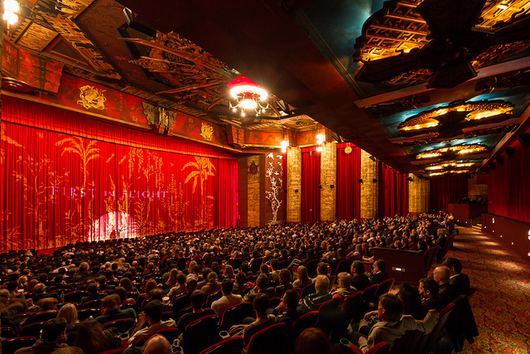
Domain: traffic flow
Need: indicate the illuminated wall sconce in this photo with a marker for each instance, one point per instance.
(493, 220)
(284, 145)
(11, 12)
(321, 139)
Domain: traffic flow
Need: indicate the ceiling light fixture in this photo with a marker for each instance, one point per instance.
(475, 111)
(247, 97)
(457, 149)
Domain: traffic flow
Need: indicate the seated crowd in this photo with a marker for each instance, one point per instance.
(130, 293)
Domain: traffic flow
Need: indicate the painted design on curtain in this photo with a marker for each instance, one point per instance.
(274, 173)
(203, 168)
(63, 189)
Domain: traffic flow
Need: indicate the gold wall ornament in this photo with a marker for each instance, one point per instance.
(206, 131)
(91, 97)
(348, 150)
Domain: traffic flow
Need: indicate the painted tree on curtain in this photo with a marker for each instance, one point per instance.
(274, 175)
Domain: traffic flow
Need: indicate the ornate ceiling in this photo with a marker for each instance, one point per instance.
(181, 55)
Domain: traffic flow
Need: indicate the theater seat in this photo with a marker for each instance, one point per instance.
(200, 334)
(122, 325)
(11, 345)
(379, 348)
(272, 339)
(230, 345)
(235, 315)
(308, 319)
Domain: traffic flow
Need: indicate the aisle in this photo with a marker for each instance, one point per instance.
(502, 302)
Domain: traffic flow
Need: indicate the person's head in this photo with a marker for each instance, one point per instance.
(38, 289)
(227, 286)
(261, 305)
(83, 267)
(153, 311)
(90, 336)
(344, 280)
(291, 298)
(126, 283)
(157, 344)
(157, 294)
(428, 288)
(48, 304)
(441, 275)
(322, 268)
(229, 271)
(285, 276)
(313, 341)
(379, 266)
(150, 284)
(54, 331)
(454, 265)
(110, 303)
(262, 282)
(322, 284)
(197, 300)
(357, 268)
(68, 312)
(302, 273)
(390, 308)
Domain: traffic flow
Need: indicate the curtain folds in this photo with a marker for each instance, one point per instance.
(348, 186)
(66, 178)
(509, 187)
(447, 189)
(310, 185)
(393, 196)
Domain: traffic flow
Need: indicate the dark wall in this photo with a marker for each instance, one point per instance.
(512, 233)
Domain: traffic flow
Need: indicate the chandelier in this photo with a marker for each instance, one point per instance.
(247, 97)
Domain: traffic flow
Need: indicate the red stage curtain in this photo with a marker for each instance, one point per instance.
(67, 178)
(509, 186)
(310, 185)
(446, 189)
(393, 196)
(348, 186)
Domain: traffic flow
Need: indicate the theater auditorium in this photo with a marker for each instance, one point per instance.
(264, 176)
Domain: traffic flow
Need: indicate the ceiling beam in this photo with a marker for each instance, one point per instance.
(510, 137)
(462, 91)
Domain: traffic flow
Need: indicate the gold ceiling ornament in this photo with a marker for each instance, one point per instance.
(476, 111)
(450, 164)
(91, 97)
(433, 174)
(206, 131)
(424, 120)
(463, 149)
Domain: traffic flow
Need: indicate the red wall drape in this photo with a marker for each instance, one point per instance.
(393, 197)
(509, 186)
(67, 178)
(446, 189)
(348, 186)
(310, 185)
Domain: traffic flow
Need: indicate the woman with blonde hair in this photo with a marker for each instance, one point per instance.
(303, 279)
(68, 312)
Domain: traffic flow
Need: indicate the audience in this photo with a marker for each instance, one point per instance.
(254, 264)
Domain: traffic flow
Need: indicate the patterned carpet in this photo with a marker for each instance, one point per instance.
(502, 302)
